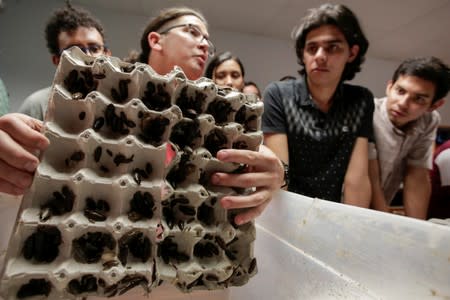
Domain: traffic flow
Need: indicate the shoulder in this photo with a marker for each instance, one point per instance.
(430, 120)
(39, 95)
(357, 90)
(358, 94)
(285, 86)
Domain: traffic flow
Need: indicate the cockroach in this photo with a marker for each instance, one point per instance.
(77, 156)
(98, 123)
(128, 68)
(190, 106)
(34, 287)
(97, 153)
(240, 145)
(187, 210)
(196, 282)
(153, 129)
(220, 110)
(59, 204)
(205, 214)
(168, 249)
(156, 98)
(185, 132)
(82, 115)
(211, 277)
(43, 244)
(121, 159)
(89, 247)
(215, 141)
(252, 266)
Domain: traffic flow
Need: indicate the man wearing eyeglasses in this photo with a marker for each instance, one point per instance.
(67, 27)
(179, 37)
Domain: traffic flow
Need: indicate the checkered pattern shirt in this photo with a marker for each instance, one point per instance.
(396, 149)
(319, 144)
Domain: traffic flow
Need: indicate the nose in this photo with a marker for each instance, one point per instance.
(321, 54)
(229, 81)
(204, 44)
(403, 102)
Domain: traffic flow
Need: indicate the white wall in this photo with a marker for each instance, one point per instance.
(25, 64)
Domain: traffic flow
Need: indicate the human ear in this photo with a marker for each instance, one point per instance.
(55, 59)
(154, 40)
(436, 105)
(354, 50)
(389, 86)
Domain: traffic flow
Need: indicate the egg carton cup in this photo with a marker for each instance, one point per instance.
(105, 157)
(97, 113)
(108, 212)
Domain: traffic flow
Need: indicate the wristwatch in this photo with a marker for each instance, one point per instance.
(286, 174)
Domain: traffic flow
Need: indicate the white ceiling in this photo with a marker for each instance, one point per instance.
(396, 29)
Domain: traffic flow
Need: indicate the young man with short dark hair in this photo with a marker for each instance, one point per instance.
(65, 28)
(317, 124)
(405, 124)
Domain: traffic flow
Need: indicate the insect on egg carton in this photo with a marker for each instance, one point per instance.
(108, 212)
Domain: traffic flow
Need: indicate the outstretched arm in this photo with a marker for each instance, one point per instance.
(20, 137)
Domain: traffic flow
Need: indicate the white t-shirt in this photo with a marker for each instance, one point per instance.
(443, 163)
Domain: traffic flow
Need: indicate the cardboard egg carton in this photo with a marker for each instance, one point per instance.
(106, 214)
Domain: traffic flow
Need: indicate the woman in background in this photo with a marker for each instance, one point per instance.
(227, 70)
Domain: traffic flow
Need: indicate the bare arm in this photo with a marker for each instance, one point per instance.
(20, 137)
(378, 201)
(357, 190)
(278, 143)
(416, 192)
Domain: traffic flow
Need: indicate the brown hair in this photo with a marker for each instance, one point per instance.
(164, 17)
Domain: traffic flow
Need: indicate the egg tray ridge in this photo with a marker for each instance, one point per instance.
(108, 212)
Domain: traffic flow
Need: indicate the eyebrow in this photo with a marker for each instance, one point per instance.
(332, 41)
(426, 95)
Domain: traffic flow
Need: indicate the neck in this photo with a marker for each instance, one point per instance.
(159, 65)
(322, 95)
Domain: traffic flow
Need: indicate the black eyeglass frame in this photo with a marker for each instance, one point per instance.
(211, 48)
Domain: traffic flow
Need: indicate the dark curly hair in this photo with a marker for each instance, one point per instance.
(164, 17)
(220, 59)
(344, 19)
(427, 68)
(68, 19)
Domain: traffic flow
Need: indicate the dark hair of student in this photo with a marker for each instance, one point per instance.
(220, 59)
(68, 19)
(344, 19)
(428, 68)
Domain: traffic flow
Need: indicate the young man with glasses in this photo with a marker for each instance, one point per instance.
(317, 124)
(66, 27)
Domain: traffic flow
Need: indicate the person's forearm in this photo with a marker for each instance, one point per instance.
(358, 193)
(416, 200)
(378, 201)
